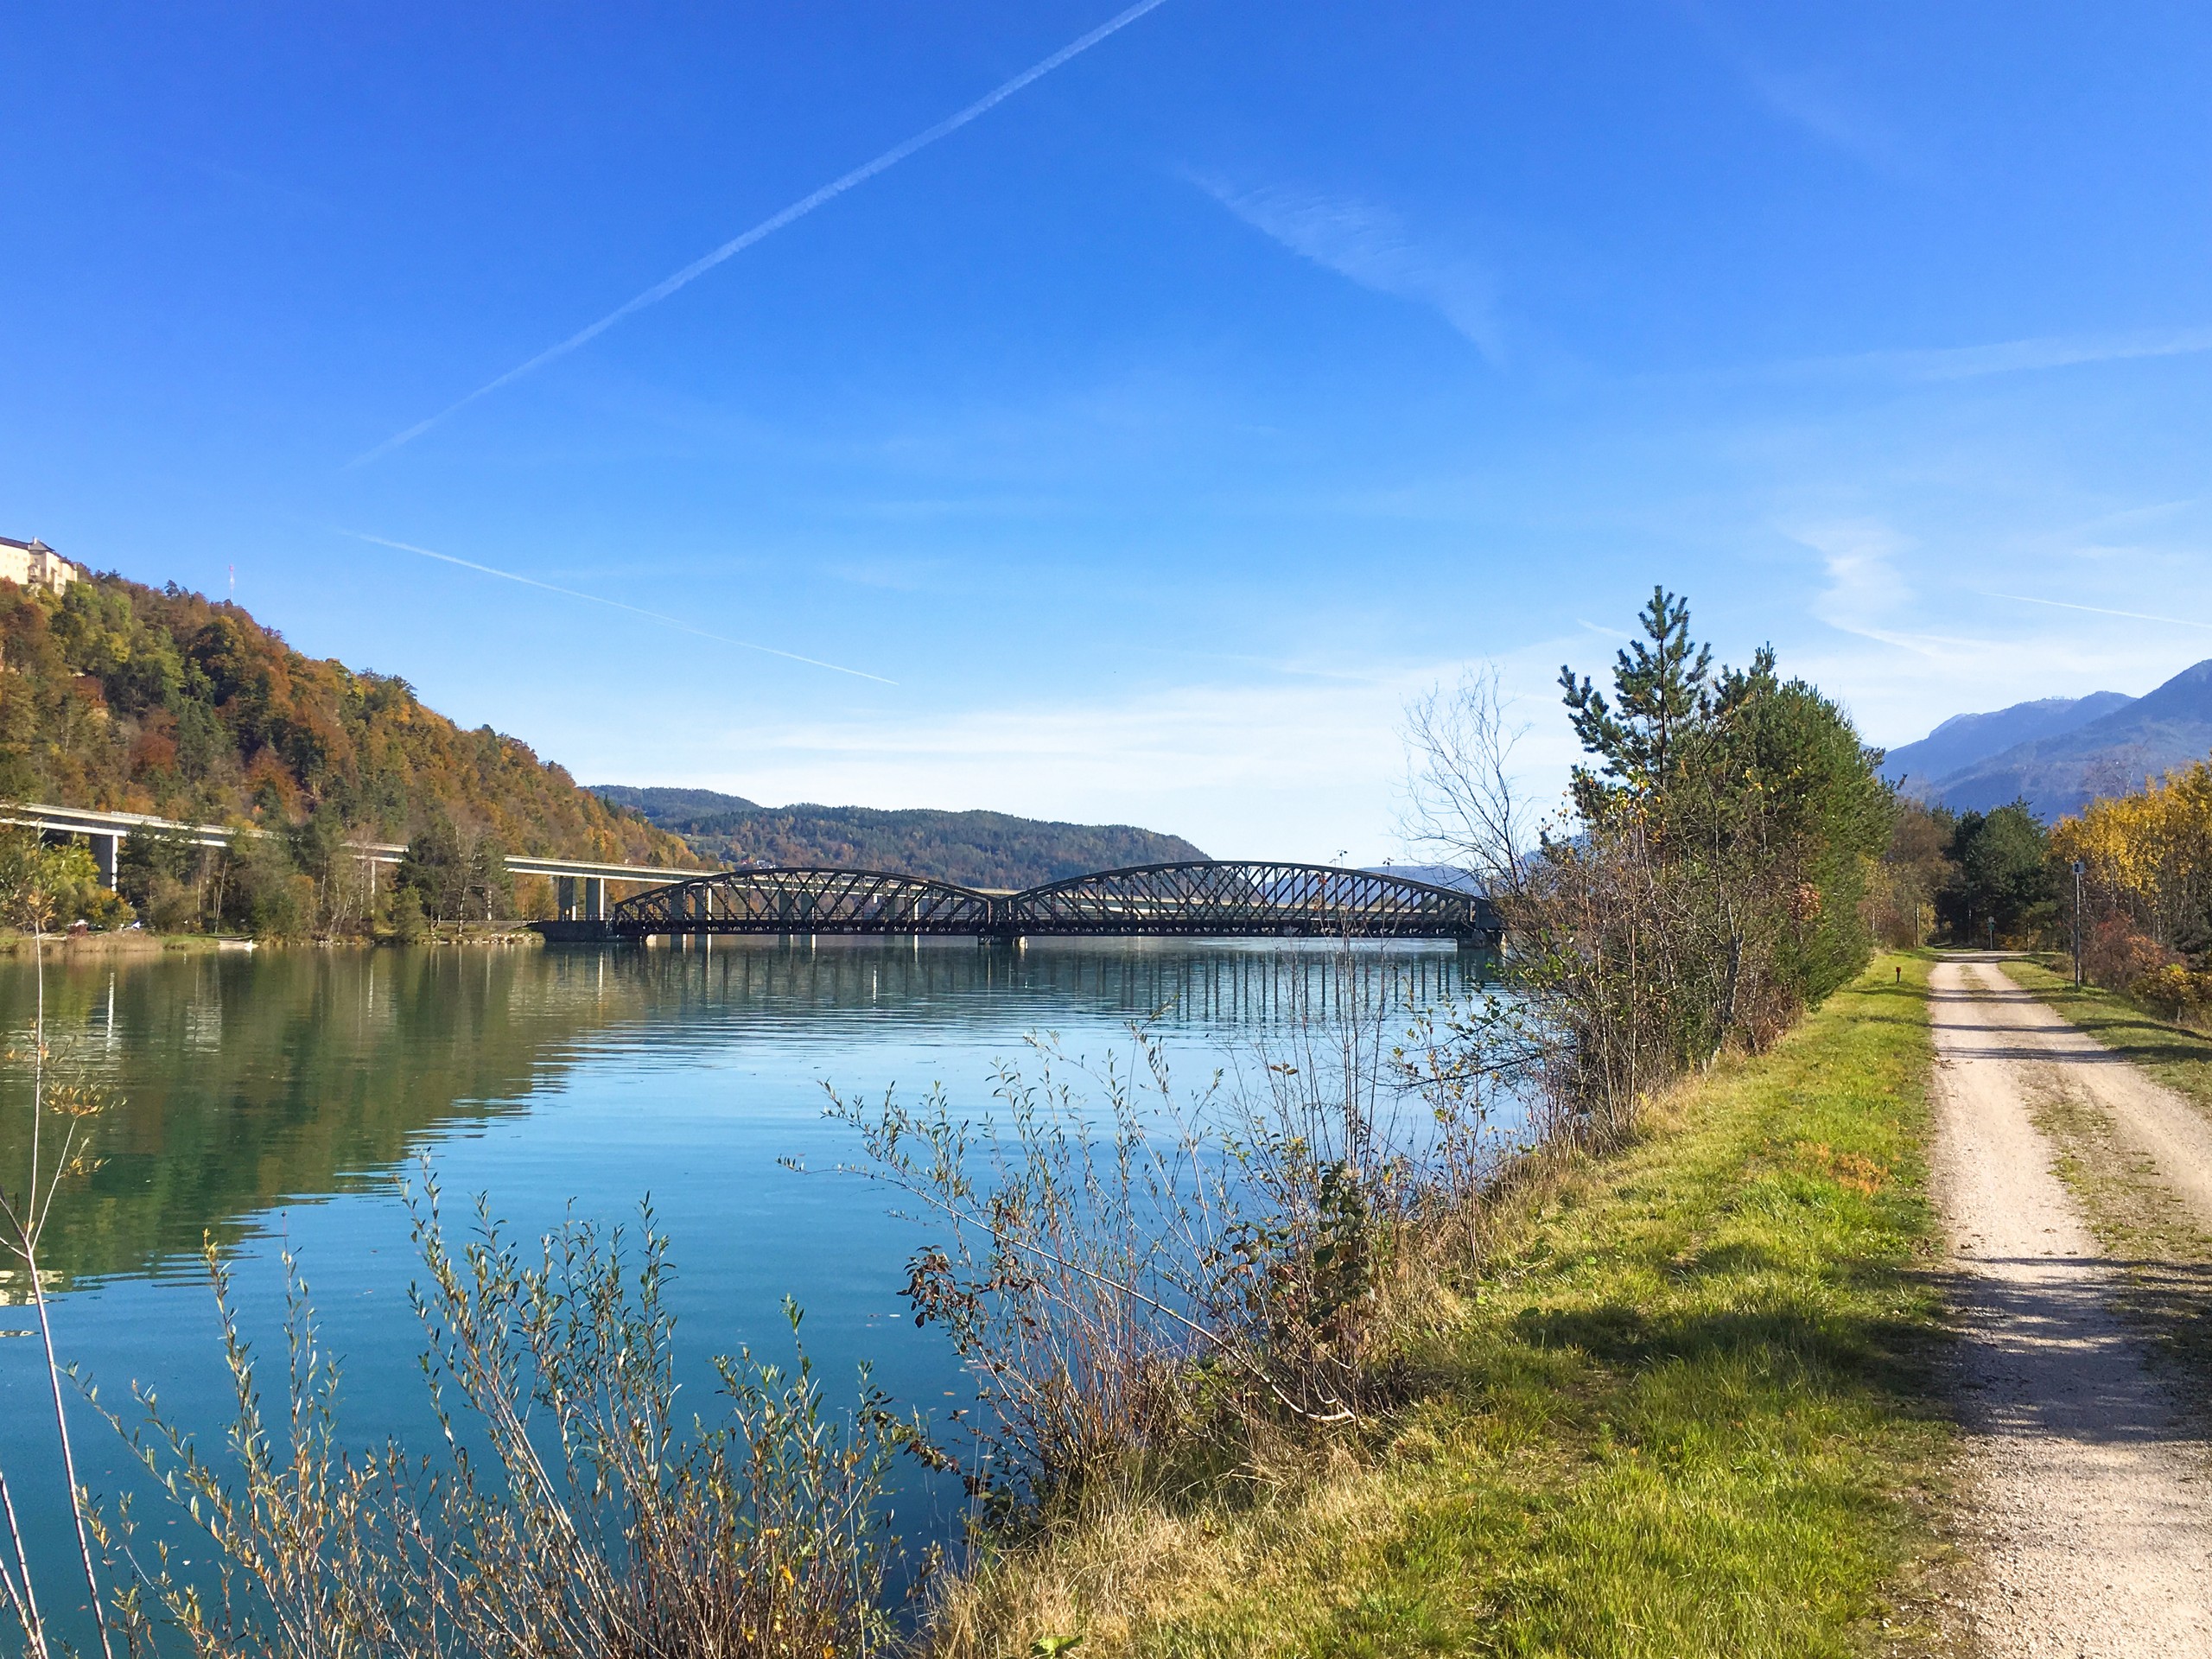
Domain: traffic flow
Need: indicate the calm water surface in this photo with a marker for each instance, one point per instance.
(283, 1098)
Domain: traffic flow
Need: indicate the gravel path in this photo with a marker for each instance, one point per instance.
(2090, 1494)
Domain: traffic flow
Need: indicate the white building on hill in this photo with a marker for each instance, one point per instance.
(33, 563)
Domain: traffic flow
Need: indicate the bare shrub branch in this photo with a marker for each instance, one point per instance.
(1462, 802)
(569, 1509)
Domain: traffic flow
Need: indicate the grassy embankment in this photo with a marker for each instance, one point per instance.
(2139, 1220)
(1686, 1410)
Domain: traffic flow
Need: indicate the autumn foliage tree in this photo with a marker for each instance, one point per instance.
(118, 696)
(2147, 861)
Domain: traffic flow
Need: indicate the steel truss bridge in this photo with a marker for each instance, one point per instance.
(1205, 899)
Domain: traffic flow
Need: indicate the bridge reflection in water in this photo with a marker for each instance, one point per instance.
(1197, 899)
(1228, 985)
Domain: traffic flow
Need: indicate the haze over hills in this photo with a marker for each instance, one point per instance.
(976, 849)
(2058, 753)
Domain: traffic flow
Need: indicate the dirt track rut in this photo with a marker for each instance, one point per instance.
(2090, 1488)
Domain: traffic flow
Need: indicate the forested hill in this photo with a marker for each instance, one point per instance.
(141, 700)
(976, 849)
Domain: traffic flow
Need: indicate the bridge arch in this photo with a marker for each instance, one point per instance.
(1197, 899)
(1250, 898)
(805, 899)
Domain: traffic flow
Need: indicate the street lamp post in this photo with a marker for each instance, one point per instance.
(2077, 924)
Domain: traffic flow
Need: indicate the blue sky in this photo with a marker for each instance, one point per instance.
(1156, 433)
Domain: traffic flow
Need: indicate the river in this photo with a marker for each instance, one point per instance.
(284, 1098)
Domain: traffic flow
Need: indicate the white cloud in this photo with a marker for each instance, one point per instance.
(1906, 659)
(1213, 762)
(1826, 112)
(1809, 100)
(1865, 587)
(2104, 610)
(1944, 363)
(1901, 684)
(1371, 245)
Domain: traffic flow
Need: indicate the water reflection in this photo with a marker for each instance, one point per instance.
(281, 1095)
(246, 1082)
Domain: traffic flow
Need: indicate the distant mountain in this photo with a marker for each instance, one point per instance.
(976, 849)
(2159, 733)
(2068, 759)
(1964, 741)
(657, 804)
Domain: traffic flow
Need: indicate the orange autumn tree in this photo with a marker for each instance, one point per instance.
(119, 696)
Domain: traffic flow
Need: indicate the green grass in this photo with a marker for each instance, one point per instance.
(1687, 1411)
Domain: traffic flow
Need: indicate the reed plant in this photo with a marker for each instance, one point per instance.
(1685, 1404)
(36, 883)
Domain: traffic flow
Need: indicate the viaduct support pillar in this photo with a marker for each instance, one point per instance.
(595, 899)
(564, 898)
(105, 850)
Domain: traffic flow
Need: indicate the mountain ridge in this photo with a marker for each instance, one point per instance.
(972, 848)
(2064, 752)
(1965, 741)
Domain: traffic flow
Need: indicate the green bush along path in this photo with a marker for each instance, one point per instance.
(1689, 1407)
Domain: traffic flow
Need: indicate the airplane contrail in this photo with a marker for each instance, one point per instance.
(2099, 610)
(769, 227)
(616, 604)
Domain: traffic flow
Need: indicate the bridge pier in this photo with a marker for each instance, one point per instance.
(1481, 955)
(107, 852)
(575, 932)
(594, 905)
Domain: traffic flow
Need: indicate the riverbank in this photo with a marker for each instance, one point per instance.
(124, 942)
(134, 942)
(1690, 1406)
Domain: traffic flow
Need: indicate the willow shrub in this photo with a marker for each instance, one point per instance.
(1137, 1275)
(568, 1506)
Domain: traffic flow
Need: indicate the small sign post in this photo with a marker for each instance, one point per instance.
(2077, 924)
